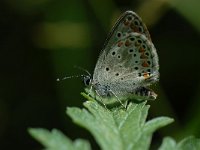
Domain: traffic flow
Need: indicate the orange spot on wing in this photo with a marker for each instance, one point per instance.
(127, 43)
(145, 75)
(136, 30)
(141, 49)
(126, 22)
(143, 56)
(145, 64)
(137, 44)
(132, 26)
(120, 43)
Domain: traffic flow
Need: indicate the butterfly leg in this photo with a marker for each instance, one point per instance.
(90, 90)
(101, 99)
(118, 99)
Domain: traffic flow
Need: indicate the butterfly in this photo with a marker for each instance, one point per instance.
(128, 63)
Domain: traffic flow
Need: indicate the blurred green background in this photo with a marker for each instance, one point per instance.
(41, 40)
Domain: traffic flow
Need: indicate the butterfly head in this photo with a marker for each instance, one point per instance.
(87, 79)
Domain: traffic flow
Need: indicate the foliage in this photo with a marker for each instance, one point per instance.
(114, 129)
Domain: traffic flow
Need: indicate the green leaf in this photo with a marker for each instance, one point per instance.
(168, 144)
(55, 140)
(118, 129)
(189, 143)
(114, 129)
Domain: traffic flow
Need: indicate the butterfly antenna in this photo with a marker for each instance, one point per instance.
(69, 77)
(80, 68)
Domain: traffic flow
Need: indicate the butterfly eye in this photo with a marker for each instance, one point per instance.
(87, 80)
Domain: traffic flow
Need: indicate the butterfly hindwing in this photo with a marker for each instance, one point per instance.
(129, 59)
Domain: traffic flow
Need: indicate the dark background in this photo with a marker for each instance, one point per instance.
(42, 40)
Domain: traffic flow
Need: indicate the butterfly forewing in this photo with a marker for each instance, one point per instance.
(127, 23)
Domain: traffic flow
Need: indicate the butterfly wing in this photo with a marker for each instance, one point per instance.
(127, 23)
(129, 58)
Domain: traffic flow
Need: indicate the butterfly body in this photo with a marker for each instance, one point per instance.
(128, 62)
